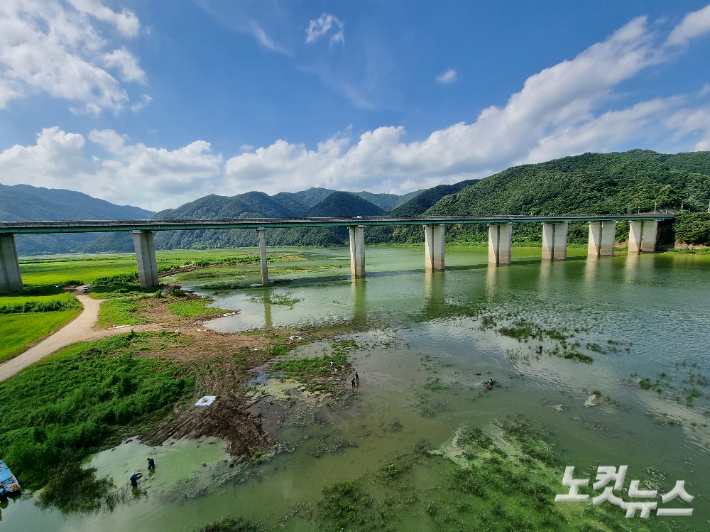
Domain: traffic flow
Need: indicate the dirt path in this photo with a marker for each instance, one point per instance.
(81, 329)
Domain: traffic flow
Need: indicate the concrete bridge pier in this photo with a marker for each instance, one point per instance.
(145, 256)
(262, 254)
(608, 238)
(434, 247)
(648, 237)
(500, 242)
(635, 228)
(595, 239)
(554, 240)
(357, 251)
(10, 276)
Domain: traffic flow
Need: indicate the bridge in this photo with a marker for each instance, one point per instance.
(602, 231)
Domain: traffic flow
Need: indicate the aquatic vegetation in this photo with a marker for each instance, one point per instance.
(194, 307)
(579, 357)
(231, 524)
(434, 384)
(299, 368)
(73, 489)
(345, 506)
(276, 299)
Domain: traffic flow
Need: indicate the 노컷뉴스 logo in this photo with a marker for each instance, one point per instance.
(605, 474)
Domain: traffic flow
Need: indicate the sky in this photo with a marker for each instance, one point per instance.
(157, 103)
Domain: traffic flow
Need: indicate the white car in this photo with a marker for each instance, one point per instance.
(86, 289)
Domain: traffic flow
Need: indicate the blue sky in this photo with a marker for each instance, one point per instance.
(155, 103)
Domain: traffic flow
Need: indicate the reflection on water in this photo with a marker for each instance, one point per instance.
(359, 301)
(434, 291)
(425, 358)
(267, 308)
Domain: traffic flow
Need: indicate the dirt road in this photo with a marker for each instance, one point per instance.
(79, 330)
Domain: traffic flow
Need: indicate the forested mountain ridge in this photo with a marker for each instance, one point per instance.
(592, 183)
(27, 203)
(345, 204)
(253, 205)
(695, 161)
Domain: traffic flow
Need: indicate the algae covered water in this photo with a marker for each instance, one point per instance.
(607, 359)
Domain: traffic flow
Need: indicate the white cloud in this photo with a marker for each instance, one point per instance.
(126, 21)
(321, 26)
(560, 99)
(447, 77)
(48, 47)
(264, 40)
(693, 25)
(127, 63)
(133, 174)
(562, 110)
(140, 104)
(687, 121)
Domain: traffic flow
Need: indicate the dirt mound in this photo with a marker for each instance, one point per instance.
(227, 418)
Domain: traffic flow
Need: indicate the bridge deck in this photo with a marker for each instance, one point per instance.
(97, 226)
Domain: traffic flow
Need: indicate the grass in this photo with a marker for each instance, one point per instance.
(83, 398)
(194, 307)
(120, 312)
(22, 304)
(18, 331)
(22, 298)
(86, 269)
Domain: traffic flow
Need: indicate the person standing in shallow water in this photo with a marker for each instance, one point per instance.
(151, 463)
(353, 383)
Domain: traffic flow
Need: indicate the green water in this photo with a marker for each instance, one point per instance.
(423, 361)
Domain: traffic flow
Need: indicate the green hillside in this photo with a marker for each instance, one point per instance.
(695, 162)
(591, 183)
(345, 204)
(427, 198)
(28, 203)
(251, 205)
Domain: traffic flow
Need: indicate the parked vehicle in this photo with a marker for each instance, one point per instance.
(8, 482)
(86, 289)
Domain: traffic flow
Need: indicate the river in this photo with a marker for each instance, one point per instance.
(425, 345)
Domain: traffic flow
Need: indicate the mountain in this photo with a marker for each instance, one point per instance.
(251, 205)
(25, 202)
(388, 201)
(424, 200)
(591, 183)
(344, 204)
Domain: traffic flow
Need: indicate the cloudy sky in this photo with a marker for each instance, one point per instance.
(155, 103)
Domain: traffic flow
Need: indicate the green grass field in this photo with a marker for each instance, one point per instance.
(19, 330)
(120, 312)
(20, 299)
(55, 271)
(87, 268)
